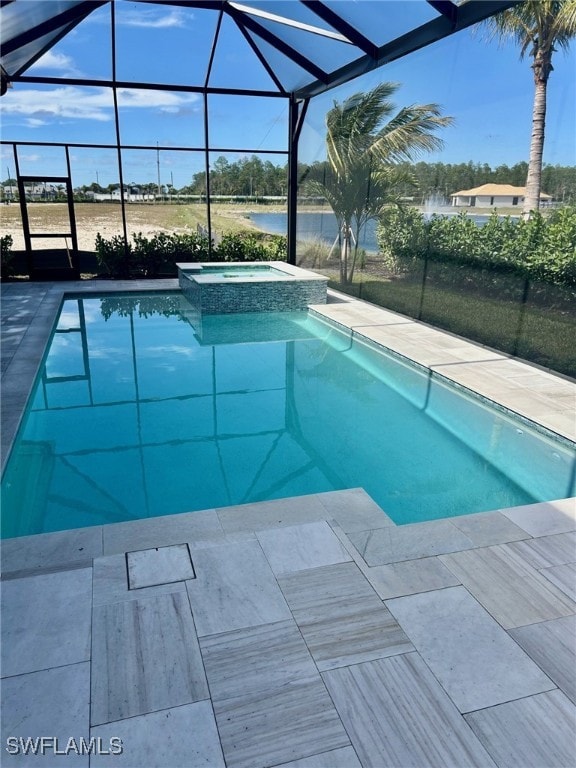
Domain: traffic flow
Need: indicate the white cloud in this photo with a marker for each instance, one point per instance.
(136, 97)
(65, 101)
(149, 18)
(87, 104)
(190, 353)
(56, 61)
(34, 122)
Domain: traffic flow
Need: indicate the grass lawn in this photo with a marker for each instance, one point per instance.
(538, 333)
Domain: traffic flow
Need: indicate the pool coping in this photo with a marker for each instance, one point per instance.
(535, 393)
(287, 271)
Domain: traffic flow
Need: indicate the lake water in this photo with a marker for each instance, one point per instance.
(313, 226)
(323, 226)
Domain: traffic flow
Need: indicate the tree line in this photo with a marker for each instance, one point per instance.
(254, 177)
(445, 179)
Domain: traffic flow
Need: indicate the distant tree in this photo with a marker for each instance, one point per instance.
(539, 27)
(518, 174)
(198, 185)
(446, 178)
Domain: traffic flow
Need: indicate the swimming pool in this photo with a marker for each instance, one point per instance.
(134, 415)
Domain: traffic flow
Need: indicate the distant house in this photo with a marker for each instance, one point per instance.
(131, 195)
(493, 196)
(43, 191)
(34, 192)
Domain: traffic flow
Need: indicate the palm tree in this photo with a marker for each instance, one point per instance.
(365, 142)
(539, 27)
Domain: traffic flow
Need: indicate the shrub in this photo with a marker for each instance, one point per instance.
(6, 256)
(191, 247)
(114, 256)
(251, 246)
(542, 248)
(277, 247)
(555, 259)
(162, 251)
(149, 256)
(240, 246)
(402, 235)
(158, 254)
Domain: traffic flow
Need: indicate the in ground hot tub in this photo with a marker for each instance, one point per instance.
(255, 286)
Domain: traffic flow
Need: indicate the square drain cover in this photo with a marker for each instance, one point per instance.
(161, 565)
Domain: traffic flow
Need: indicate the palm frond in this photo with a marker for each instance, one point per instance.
(410, 133)
(543, 23)
(366, 137)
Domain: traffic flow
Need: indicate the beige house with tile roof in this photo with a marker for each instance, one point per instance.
(493, 196)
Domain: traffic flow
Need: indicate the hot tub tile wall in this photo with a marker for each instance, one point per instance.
(254, 296)
(191, 291)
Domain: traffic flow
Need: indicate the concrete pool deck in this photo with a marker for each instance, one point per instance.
(309, 632)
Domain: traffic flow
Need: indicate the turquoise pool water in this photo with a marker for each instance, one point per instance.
(135, 415)
(260, 271)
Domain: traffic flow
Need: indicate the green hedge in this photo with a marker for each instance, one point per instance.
(157, 255)
(542, 248)
(6, 255)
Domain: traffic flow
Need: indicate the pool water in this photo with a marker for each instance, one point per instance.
(134, 415)
(260, 271)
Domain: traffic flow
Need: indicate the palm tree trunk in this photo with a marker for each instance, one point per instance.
(344, 253)
(357, 238)
(542, 67)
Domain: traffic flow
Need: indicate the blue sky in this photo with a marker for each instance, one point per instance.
(483, 86)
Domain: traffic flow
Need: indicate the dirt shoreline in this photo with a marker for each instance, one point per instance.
(105, 219)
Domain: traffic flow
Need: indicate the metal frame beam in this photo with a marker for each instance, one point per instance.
(163, 148)
(262, 60)
(145, 86)
(242, 19)
(72, 17)
(297, 113)
(299, 25)
(437, 29)
(64, 22)
(347, 30)
(445, 7)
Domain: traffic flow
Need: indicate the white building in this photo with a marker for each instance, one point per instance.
(131, 195)
(494, 196)
(34, 192)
